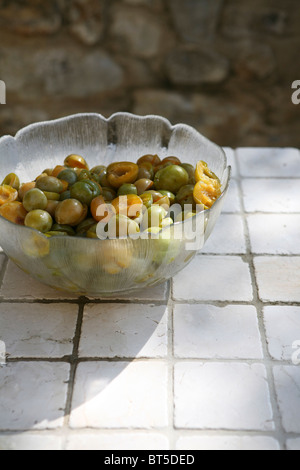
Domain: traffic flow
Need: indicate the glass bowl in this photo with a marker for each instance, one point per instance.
(96, 267)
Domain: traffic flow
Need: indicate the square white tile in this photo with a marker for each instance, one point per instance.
(282, 325)
(293, 444)
(278, 278)
(120, 394)
(222, 396)
(38, 330)
(124, 440)
(277, 234)
(271, 195)
(227, 442)
(30, 441)
(269, 162)
(206, 331)
(225, 278)
(120, 330)
(33, 395)
(287, 384)
(228, 236)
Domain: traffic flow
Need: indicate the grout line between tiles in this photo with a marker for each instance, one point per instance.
(174, 360)
(216, 303)
(171, 400)
(178, 432)
(74, 362)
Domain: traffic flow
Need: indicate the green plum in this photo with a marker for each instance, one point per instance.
(85, 191)
(39, 220)
(35, 199)
(171, 178)
(49, 183)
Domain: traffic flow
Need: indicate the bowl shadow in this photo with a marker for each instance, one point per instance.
(113, 376)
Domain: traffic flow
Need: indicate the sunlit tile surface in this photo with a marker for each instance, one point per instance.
(209, 360)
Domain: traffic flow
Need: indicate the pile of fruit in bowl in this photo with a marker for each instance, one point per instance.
(122, 199)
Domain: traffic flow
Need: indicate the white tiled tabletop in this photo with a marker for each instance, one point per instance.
(207, 361)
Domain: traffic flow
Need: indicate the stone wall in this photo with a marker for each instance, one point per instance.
(223, 66)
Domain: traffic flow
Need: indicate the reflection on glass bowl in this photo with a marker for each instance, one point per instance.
(102, 267)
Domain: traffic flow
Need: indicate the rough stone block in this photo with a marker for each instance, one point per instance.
(195, 20)
(137, 32)
(196, 66)
(30, 18)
